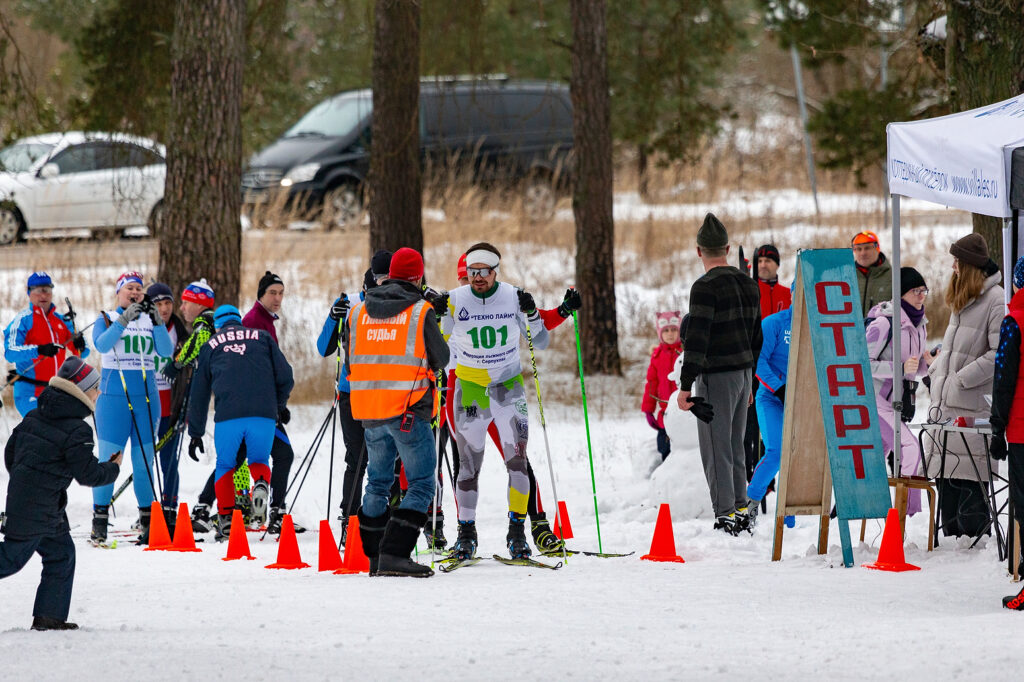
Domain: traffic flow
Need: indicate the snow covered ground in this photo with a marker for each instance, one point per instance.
(728, 612)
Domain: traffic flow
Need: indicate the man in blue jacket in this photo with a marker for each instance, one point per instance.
(250, 380)
(772, 366)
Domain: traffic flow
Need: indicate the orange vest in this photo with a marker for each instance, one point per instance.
(388, 369)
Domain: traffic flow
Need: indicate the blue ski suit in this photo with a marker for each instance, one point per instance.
(772, 366)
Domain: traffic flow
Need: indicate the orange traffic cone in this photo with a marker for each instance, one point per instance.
(355, 558)
(288, 547)
(562, 524)
(663, 545)
(159, 537)
(238, 543)
(329, 558)
(184, 541)
(890, 554)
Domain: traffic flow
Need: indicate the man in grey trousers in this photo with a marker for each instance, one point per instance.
(720, 348)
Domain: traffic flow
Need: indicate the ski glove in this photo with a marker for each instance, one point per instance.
(48, 350)
(997, 447)
(652, 421)
(441, 305)
(195, 444)
(572, 301)
(526, 302)
(780, 393)
(130, 314)
(78, 341)
(340, 308)
(284, 415)
(702, 410)
(155, 318)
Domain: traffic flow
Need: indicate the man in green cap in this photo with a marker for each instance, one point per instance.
(720, 349)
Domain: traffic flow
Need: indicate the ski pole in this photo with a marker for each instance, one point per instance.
(586, 423)
(543, 422)
(437, 488)
(152, 428)
(124, 486)
(334, 426)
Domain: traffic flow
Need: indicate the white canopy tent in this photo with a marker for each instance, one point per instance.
(972, 160)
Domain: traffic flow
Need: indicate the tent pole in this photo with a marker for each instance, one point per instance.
(1008, 260)
(897, 339)
(808, 148)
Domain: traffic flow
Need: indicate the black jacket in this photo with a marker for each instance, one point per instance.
(52, 445)
(247, 374)
(390, 299)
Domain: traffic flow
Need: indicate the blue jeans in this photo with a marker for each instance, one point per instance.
(416, 449)
(53, 597)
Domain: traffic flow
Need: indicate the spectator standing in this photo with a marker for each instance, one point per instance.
(874, 274)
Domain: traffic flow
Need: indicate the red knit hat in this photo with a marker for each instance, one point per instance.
(406, 264)
(462, 272)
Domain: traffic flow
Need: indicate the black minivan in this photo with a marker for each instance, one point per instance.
(496, 130)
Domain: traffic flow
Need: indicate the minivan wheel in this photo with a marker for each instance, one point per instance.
(539, 200)
(343, 205)
(11, 225)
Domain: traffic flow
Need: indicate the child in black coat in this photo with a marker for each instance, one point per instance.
(51, 446)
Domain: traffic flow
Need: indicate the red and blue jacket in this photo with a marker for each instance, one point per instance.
(30, 329)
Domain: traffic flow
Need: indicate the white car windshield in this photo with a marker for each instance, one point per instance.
(20, 157)
(336, 117)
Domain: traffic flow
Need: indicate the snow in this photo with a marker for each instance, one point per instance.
(727, 612)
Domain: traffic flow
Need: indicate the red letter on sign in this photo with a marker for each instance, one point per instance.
(858, 457)
(837, 335)
(834, 384)
(844, 290)
(842, 426)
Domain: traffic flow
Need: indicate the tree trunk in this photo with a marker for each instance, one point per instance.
(592, 198)
(984, 64)
(200, 234)
(395, 191)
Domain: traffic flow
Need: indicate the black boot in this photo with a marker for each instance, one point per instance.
(435, 536)
(465, 544)
(1015, 603)
(100, 521)
(516, 537)
(543, 537)
(171, 518)
(224, 526)
(201, 522)
(371, 533)
(399, 541)
(44, 623)
(144, 513)
(344, 530)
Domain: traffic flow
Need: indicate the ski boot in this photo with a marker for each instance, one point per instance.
(465, 544)
(243, 502)
(100, 519)
(201, 519)
(260, 497)
(344, 530)
(518, 548)
(727, 524)
(1016, 603)
(545, 540)
(277, 517)
(746, 517)
(171, 517)
(435, 537)
(223, 526)
(144, 523)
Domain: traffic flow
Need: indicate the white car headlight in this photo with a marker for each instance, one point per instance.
(302, 173)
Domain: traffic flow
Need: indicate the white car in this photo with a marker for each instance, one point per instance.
(74, 184)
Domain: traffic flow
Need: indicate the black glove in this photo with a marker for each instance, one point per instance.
(703, 411)
(170, 371)
(572, 301)
(441, 305)
(780, 393)
(997, 447)
(284, 415)
(195, 444)
(526, 302)
(48, 350)
(340, 309)
(78, 341)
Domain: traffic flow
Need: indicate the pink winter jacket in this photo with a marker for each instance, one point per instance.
(913, 342)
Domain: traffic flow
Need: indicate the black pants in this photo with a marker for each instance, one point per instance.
(1015, 460)
(355, 456)
(281, 458)
(664, 445)
(964, 509)
(53, 597)
(752, 447)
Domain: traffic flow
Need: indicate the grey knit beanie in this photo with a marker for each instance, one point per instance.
(712, 234)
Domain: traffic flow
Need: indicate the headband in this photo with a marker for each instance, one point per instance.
(488, 258)
(128, 277)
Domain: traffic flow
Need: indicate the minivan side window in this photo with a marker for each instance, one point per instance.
(537, 112)
(463, 116)
(78, 159)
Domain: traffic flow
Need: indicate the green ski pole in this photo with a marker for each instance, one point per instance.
(586, 422)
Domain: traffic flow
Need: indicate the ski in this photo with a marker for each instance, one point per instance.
(449, 565)
(103, 545)
(600, 555)
(525, 562)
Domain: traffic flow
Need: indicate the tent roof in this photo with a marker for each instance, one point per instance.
(962, 160)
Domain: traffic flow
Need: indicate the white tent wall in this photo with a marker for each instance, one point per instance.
(972, 160)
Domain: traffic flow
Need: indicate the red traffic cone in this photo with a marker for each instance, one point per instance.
(663, 545)
(238, 543)
(159, 537)
(562, 524)
(288, 547)
(328, 558)
(355, 558)
(890, 554)
(184, 541)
